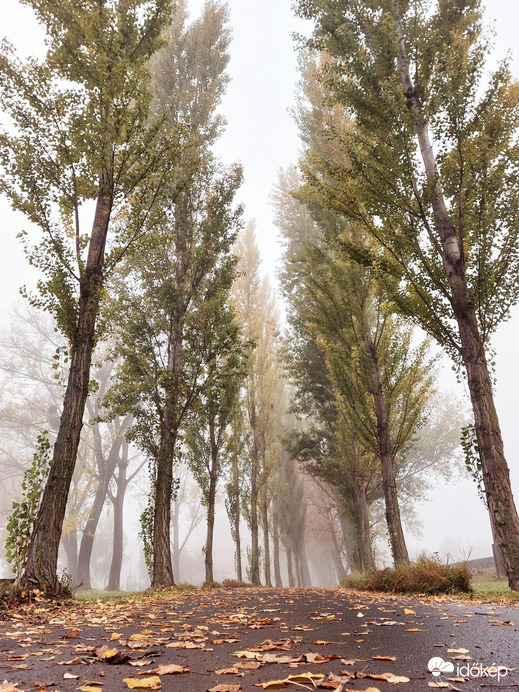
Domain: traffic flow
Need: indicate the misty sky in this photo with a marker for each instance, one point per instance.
(262, 135)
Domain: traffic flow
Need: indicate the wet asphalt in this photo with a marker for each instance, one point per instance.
(331, 634)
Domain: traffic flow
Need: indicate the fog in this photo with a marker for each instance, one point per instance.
(263, 136)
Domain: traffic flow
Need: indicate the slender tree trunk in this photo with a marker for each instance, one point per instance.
(42, 559)
(255, 566)
(275, 538)
(362, 535)
(69, 543)
(239, 569)
(213, 475)
(87, 539)
(266, 541)
(496, 476)
(336, 552)
(176, 539)
(291, 580)
(114, 578)
(348, 540)
(393, 520)
(162, 566)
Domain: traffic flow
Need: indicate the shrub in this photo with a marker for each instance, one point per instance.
(427, 575)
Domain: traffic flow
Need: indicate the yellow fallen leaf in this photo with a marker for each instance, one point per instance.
(245, 654)
(457, 651)
(225, 688)
(88, 688)
(73, 634)
(8, 687)
(273, 685)
(151, 683)
(383, 658)
(438, 684)
(415, 629)
(409, 611)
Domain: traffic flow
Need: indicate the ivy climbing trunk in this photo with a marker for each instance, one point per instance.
(41, 568)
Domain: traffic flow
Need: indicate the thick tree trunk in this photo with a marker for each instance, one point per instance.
(43, 552)
(266, 541)
(496, 476)
(114, 578)
(394, 523)
(211, 500)
(275, 538)
(362, 535)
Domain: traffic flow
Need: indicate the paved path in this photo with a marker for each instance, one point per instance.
(326, 637)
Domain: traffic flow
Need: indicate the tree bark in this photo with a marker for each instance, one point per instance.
(496, 475)
(336, 553)
(362, 534)
(69, 543)
(43, 552)
(393, 520)
(213, 475)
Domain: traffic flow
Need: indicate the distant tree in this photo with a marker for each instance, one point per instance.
(80, 132)
(428, 168)
(256, 312)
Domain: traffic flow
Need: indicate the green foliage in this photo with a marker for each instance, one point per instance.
(24, 513)
(426, 576)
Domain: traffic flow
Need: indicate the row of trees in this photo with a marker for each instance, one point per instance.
(382, 232)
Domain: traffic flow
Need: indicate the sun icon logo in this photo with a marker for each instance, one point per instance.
(437, 666)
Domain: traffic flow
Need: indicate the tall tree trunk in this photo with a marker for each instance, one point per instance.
(114, 578)
(362, 535)
(266, 541)
(42, 559)
(393, 520)
(496, 475)
(275, 538)
(213, 475)
(255, 566)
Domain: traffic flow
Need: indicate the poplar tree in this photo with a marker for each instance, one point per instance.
(429, 165)
(80, 143)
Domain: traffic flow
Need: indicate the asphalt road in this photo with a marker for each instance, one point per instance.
(322, 636)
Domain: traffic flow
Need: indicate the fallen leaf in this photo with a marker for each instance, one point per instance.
(8, 687)
(409, 611)
(73, 634)
(388, 677)
(170, 669)
(438, 684)
(457, 651)
(383, 658)
(151, 683)
(88, 688)
(415, 629)
(142, 662)
(70, 676)
(225, 688)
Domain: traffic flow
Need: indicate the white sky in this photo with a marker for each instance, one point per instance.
(262, 136)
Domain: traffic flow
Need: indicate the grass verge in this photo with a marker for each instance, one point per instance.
(426, 576)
